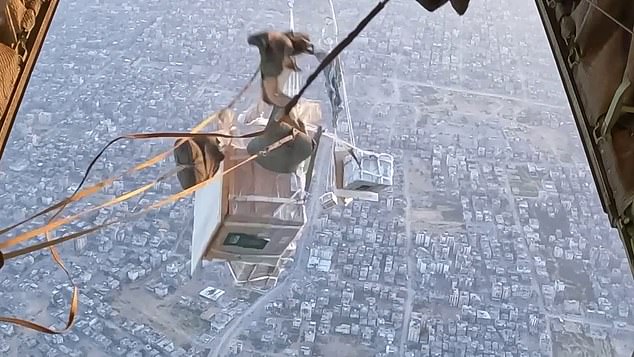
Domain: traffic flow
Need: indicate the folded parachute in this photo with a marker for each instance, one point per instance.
(200, 159)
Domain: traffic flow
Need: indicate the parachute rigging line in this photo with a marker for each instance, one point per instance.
(74, 303)
(60, 222)
(91, 190)
(172, 198)
(52, 225)
(76, 195)
(140, 136)
(51, 243)
(335, 52)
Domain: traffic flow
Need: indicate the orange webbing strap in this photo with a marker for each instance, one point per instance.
(74, 303)
(335, 52)
(51, 243)
(51, 225)
(77, 195)
(91, 190)
(170, 199)
(124, 197)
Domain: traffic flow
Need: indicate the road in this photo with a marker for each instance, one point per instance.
(411, 266)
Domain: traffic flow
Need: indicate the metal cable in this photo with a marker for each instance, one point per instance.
(597, 7)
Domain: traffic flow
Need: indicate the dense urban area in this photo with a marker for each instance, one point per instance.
(491, 242)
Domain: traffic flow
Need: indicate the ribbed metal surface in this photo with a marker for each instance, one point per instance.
(9, 70)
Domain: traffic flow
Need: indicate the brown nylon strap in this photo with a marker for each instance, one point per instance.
(78, 195)
(60, 222)
(74, 303)
(72, 313)
(42, 245)
(159, 204)
(335, 52)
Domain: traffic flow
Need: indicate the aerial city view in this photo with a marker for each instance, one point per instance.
(491, 240)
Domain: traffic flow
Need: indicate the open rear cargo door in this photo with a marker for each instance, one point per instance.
(592, 44)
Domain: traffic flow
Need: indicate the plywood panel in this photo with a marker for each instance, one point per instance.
(207, 218)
